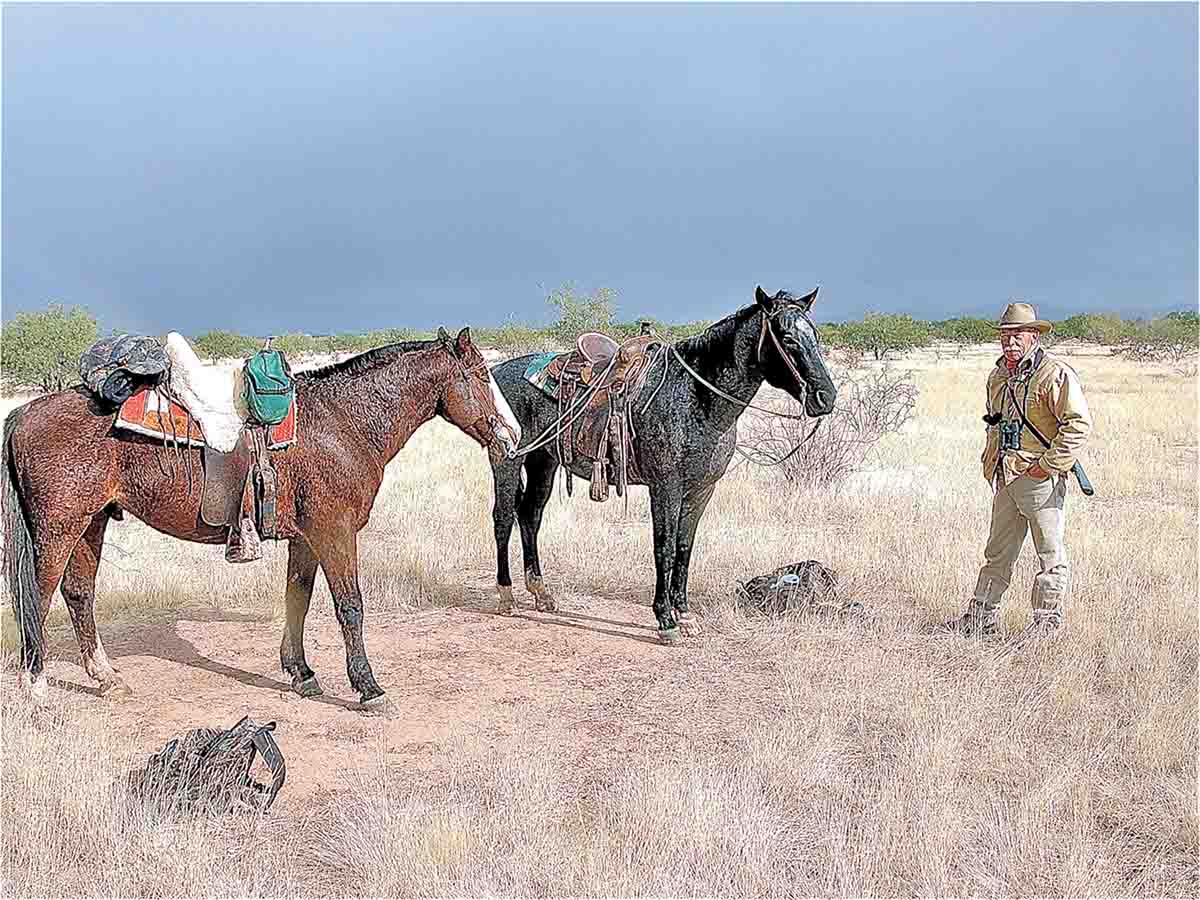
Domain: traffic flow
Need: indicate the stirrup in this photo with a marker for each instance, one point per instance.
(243, 544)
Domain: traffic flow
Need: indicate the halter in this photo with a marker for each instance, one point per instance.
(766, 330)
(491, 423)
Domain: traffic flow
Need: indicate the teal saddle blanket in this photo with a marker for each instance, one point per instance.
(536, 373)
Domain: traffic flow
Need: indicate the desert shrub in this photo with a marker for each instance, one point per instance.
(514, 338)
(881, 334)
(1094, 328)
(297, 343)
(1174, 338)
(578, 313)
(43, 348)
(964, 331)
(869, 405)
(224, 345)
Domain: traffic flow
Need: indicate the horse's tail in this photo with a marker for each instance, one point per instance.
(20, 554)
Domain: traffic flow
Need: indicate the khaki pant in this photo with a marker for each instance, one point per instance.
(1022, 506)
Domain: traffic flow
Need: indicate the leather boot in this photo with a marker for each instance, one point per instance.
(978, 622)
(243, 544)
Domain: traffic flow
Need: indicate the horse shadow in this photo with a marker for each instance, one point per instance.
(161, 639)
(483, 601)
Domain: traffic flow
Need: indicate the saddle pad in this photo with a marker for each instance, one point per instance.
(537, 374)
(150, 413)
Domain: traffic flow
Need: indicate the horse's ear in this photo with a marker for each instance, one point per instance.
(808, 300)
(462, 343)
(443, 335)
(761, 298)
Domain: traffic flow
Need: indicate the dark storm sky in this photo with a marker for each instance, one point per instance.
(282, 167)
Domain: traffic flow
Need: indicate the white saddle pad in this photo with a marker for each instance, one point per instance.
(212, 394)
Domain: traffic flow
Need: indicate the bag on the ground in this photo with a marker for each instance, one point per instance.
(207, 771)
(269, 386)
(797, 586)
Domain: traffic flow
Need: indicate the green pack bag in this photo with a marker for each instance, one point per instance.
(269, 386)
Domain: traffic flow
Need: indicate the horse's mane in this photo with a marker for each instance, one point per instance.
(716, 336)
(365, 362)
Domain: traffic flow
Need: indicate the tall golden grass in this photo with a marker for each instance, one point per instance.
(874, 759)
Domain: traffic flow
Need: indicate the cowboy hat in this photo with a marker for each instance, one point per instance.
(1022, 316)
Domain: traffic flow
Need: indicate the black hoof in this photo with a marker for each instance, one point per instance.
(309, 687)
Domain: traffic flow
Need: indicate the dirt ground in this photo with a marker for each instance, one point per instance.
(581, 679)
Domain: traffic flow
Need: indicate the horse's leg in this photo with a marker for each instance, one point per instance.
(540, 469)
(301, 575)
(506, 480)
(338, 555)
(54, 547)
(79, 592)
(665, 501)
(690, 512)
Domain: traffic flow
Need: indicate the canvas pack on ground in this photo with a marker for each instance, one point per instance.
(269, 386)
(796, 587)
(207, 771)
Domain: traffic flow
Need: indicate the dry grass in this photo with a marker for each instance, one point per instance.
(892, 763)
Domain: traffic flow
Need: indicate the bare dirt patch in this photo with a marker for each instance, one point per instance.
(590, 677)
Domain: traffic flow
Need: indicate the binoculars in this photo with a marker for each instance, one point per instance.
(1010, 435)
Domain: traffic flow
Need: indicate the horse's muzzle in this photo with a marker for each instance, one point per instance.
(505, 438)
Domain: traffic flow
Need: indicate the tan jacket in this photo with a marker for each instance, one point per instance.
(1054, 403)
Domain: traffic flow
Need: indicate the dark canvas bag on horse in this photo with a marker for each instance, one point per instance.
(115, 367)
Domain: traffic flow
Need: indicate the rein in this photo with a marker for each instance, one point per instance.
(766, 330)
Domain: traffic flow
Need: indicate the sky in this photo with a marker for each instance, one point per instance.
(323, 168)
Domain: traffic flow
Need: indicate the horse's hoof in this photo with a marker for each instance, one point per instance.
(543, 600)
(37, 691)
(308, 687)
(506, 605)
(669, 636)
(689, 624)
(380, 706)
(115, 689)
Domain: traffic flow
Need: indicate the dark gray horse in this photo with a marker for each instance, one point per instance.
(685, 439)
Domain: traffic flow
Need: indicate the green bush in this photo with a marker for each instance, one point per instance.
(513, 337)
(881, 334)
(1172, 338)
(42, 349)
(1094, 328)
(219, 344)
(578, 313)
(298, 344)
(965, 330)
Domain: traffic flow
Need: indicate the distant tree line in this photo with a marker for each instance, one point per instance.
(42, 349)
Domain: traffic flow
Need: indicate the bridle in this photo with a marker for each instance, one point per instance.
(764, 332)
(488, 423)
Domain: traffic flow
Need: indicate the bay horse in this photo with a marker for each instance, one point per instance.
(67, 472)
(685, 439)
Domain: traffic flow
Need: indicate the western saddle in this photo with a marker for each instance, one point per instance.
(602, 375)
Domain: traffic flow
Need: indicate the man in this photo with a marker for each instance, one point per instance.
(1028, 479)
